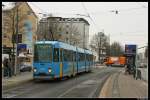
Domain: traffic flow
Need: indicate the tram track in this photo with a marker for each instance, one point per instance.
(58, 88)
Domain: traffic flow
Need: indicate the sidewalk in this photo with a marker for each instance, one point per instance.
(144, 73)
(124, 86)
(16, 80)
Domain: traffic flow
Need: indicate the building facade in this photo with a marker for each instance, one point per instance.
(27, 24)
(74, 31)
(19, 14)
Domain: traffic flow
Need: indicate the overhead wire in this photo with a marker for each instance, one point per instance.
(89, 15)
(42, 11)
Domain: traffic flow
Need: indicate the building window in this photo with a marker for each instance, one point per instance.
(56, 54)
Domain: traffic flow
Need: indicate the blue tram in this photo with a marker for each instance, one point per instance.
(54, 59)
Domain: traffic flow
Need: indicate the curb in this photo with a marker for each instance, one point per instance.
(6, 87)
(104, 89)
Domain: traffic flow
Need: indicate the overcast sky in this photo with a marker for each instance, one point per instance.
(130, 25)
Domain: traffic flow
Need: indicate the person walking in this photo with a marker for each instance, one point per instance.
(9, 68)
(5, 63)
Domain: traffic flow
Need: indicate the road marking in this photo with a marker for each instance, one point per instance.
(66, 92)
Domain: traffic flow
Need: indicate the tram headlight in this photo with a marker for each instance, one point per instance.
(34, 70)
(49, 70)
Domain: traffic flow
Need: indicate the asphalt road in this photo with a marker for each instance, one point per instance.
(87, 85)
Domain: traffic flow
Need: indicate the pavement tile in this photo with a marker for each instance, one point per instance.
(128, 87)
(15, 80)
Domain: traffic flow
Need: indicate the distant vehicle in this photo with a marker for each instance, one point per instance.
(55, 60)
(115, 61)
(25, 67)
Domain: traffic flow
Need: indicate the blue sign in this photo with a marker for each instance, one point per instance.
(130, 49)
(21, 46)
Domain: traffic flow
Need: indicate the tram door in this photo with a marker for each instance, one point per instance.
(61, 62)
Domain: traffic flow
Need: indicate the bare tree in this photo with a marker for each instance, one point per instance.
(49, 29)
(116, 49)
(99, 43)
(74, 31)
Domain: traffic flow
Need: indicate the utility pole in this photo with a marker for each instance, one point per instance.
(2, 38)
(71, 32)
(100, 34)
(84, 38)
(99, 46)
(109, 45)
(16, 57)
(100, 50)
(13, 41)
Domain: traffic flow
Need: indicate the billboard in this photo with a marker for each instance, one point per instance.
(21, 48)
(130, 49)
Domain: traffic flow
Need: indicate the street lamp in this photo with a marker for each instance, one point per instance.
(16, 4)
(2, 37)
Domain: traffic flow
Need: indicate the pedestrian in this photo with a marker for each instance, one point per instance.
(138, 74)
(5, 63)
(2, 70)
(9, 68)
(126, 69)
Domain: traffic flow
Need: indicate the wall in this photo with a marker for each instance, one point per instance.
(23, 11)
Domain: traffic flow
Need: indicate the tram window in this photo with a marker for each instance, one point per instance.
(70, 56)
(80, 57)
(77, 55)
(74, 56)
(56, 55)
(89, 57)
(61, 55)
(42, 53)
(65, 55)
(86, 57)
(83, 57)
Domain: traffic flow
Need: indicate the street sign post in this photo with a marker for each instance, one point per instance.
(131, 55)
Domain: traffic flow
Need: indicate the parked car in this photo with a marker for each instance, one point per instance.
(25, 67)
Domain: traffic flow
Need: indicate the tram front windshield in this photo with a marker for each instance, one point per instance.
(43, 53)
